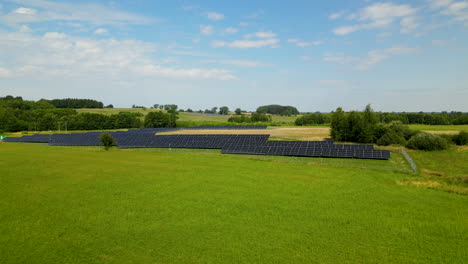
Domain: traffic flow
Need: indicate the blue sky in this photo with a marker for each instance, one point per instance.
(316, 55)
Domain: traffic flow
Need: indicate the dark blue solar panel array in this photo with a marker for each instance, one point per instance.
(308, 149)
(230, 144)
(38, 138)
(191, 141)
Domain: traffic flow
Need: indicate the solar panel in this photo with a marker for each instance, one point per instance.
(229, 144)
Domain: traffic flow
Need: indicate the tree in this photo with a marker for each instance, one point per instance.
(214, 109)
(107, 140)
(109, 106)
(369, 120)
(156, 106)
(338, 125)
(238, 111)
(223, 110)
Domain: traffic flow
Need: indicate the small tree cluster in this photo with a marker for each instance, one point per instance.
(363, 127)
(160, 119)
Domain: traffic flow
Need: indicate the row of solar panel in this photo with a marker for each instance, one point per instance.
(234, 144)
(307, 152)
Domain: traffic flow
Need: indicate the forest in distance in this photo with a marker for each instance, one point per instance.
(17, 114)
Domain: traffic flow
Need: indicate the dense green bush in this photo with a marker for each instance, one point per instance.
(240, 119)
(312, 119)
(256, 117)
(426, 141)
(461, 138)
(391, 138)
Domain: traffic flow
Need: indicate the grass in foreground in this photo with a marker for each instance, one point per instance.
(84, 205)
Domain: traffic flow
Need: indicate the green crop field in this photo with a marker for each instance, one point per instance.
(86, 205)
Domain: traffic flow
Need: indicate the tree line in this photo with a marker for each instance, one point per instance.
(17, 114)
(443, 118)
(365, 127)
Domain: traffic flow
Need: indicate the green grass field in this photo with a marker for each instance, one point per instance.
(86, 205)
(439, 128)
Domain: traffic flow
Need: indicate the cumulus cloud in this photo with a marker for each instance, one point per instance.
(372, 57)
(457, 10)
(380, 15)
(43, 10)
(25, 11)
(246, 44)
(57, 55)
(215, 16)
(100, 31)
(231, 30)
(336, 15)
(206, 30)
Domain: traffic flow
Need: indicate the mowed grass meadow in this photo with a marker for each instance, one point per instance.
(86, 205)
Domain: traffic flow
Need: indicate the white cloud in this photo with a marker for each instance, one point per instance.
(190, 7)
(4, 73)
(215, 16)
(336, 15)
(457, 10)
(25, 11)
(268, 34)
(206, 30)
(345, 30)
(307, 44)
(293, 40)
(100, 31)
(24, 29)
(307, 58)
(436, 4)
(56, 55)
(408, 24)
(380, 15)
(231, 30)
(246, 44)
(96, 14)
(243, 24)
(241, 63)
(54, 35)
(372, 58)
